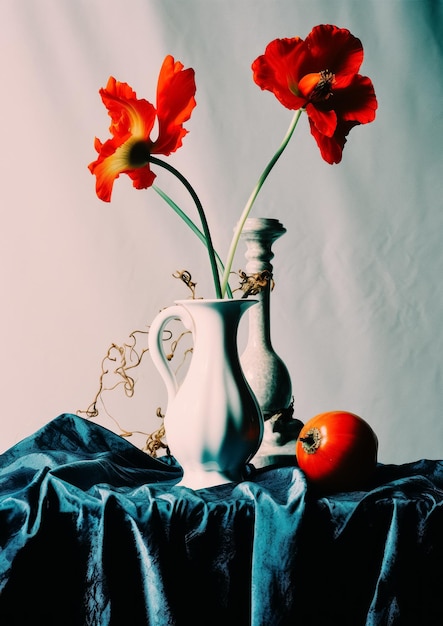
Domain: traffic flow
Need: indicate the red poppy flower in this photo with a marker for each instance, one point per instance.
(320, 74)
(130, 147)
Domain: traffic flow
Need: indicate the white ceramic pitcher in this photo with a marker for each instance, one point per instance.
(213, 422)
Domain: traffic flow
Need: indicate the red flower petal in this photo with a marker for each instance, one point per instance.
(112, 161)
(358, 101)
(175, 102)
(277, 70)
(331, 148)
(142, 177)
(334, 49)
(129, 115)
(108, 166)
(325, 121)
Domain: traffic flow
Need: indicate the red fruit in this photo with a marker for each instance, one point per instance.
(337, 451)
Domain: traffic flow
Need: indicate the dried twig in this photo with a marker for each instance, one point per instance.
(186, 278)
(120, 360)
(252, 284)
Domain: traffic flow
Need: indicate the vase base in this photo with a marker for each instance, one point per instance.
(203, 479)
(284, 459)
(279, 439)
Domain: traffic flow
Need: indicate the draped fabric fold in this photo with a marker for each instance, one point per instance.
(95, 532)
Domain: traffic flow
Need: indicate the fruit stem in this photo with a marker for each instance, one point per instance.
(309, 440)
(312, 440)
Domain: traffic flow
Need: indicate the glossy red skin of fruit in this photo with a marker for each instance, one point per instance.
(345, 452)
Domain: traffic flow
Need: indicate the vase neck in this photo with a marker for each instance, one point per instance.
(259, 234)
(259, 318)
(212, 318)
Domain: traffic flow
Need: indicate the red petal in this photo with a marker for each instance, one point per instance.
(106, 170)
(325, 121)
(97, 144)
(142, 178)
(129, 115)
(175, 102)
(334, 49)
(277, 70)
(357, 102)
(331, 148)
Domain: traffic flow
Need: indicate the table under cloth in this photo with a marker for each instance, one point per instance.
(94, 532)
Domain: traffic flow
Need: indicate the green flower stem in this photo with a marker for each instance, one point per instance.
(193, 227)
(198, 204)
(251, 200)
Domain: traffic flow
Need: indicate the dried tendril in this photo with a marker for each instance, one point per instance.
(119, 360)
(252, 284)
(186, 278)
(155, 440)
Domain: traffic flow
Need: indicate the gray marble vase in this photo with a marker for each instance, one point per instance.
(265, 371)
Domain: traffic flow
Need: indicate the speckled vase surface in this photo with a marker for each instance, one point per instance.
(264, 369)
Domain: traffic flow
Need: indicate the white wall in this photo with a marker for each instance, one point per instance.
(357, 310)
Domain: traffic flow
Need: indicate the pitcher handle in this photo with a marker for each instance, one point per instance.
(155, 344)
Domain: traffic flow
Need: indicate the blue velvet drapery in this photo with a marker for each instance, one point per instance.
(94, 532)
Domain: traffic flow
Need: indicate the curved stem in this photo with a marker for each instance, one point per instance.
(251, 200)
(203, 220)
(193, 227)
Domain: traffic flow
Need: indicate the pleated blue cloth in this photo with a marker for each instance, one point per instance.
(94, 532)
